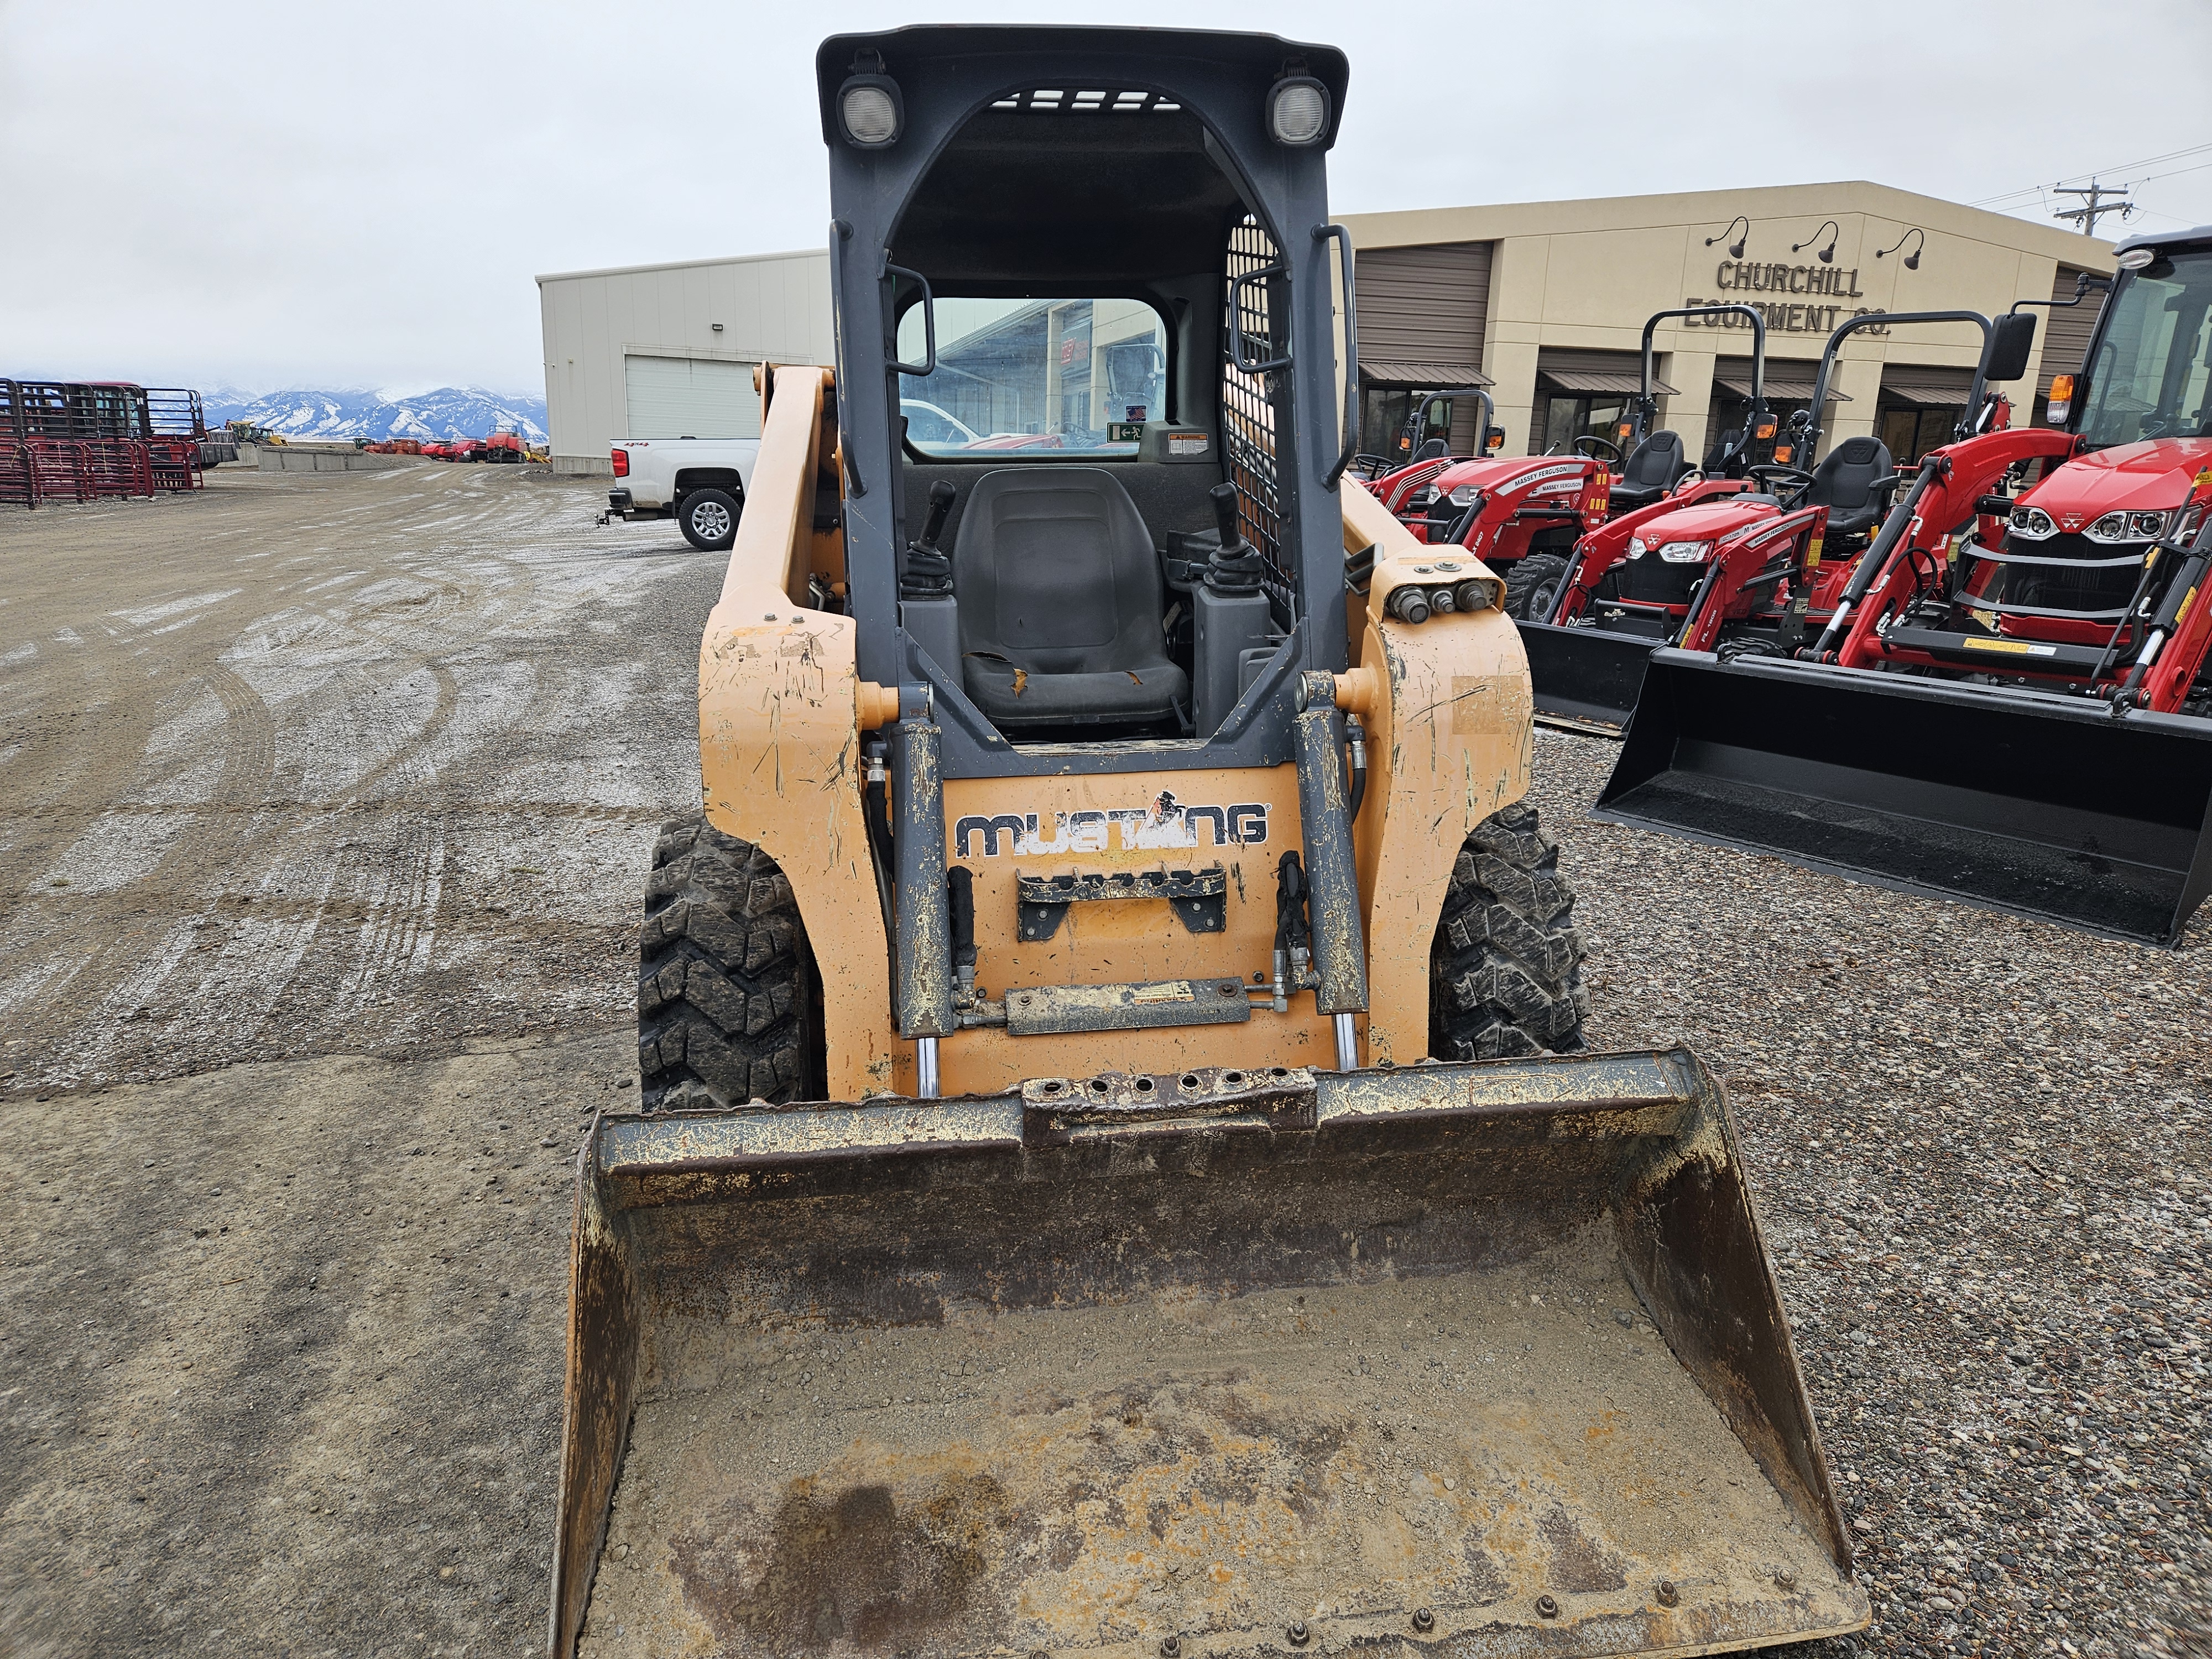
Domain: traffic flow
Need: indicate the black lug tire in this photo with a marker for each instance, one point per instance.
(692, 503)
(1531, 584)
(1505, 971)
(728, 1007)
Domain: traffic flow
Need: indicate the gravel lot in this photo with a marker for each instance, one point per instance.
(322, 800)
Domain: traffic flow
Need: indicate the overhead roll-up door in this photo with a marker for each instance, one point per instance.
(2066, 331)
(1422, 307)
(691, 398)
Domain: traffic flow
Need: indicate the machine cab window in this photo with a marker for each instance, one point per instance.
(1034, 374)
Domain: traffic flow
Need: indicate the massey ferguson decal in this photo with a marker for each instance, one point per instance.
(1571, 472)
(1166, 823)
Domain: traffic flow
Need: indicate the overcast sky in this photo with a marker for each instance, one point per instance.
(325, 196)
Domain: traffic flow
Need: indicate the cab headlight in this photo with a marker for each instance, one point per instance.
(1684, 552)
(871, 111)
(1466, 496)
(1298, 111)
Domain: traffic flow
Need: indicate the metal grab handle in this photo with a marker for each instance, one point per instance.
(1342, 238)
(839, 233)
(928, 365)
(1237, 321)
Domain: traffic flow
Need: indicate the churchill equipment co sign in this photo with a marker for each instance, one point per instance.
(1739, 280)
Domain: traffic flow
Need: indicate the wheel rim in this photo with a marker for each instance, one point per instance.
(711, 519)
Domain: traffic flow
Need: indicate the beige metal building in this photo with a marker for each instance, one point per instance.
(668, 351)
(1543, 303)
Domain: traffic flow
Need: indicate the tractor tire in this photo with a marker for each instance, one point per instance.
(728, 1006)
(709, 519)
(1532, 583)
(1505, 970)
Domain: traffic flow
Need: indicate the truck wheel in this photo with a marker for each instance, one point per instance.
(1505, 971)
(1531, 582)
(728, 1005)
(708, 519)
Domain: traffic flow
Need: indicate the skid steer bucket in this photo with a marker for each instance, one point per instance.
(1584, 679)
(1485, 1357)
(2040, 804)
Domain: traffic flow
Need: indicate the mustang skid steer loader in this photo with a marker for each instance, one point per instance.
(1100, 1190)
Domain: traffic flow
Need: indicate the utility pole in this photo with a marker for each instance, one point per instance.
(2100, 201)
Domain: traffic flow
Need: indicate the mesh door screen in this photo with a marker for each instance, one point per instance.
(1248, 412)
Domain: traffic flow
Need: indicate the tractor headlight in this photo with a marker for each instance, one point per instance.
(871, 111)
(1298, 111)
(2148, 526)
(1466, 496)
(1424, 495)
(2032, 524)
(1635, 547)
(1684, 552)
(2112, 528)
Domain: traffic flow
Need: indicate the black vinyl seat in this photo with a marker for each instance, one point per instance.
(1654, 467)
(1431, 449)
(1059, 599)
(1844, 483)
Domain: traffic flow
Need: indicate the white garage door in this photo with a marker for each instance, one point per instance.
(691, 398)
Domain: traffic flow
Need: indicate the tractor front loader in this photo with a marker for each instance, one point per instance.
(1119, 1172)
(2009, 701)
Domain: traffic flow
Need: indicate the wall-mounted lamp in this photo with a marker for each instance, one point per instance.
(1735, 248)
(1827, 255)
(717, 327)
(1912, 260)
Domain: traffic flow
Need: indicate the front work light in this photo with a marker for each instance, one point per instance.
(871, 111)
(1298, 111)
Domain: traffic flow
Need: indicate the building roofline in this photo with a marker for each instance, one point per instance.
(683, 265)
(1411, 227)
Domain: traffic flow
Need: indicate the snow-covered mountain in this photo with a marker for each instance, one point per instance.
(451, 412)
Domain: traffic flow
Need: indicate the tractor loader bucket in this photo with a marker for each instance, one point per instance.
(2039, 805)
(1485, 1357)
(1584, 679)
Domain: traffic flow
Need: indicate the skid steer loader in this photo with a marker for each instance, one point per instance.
(1118, 1174)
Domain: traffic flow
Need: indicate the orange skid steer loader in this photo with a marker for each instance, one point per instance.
(1119, 1172)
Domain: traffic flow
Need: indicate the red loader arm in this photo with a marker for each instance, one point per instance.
(1942, 499)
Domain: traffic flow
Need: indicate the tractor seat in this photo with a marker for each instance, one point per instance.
(1060, 603)
(1431, 449)
(1844, 484)
(1653, 468)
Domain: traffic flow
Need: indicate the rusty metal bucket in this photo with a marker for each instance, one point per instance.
(1485, 1357)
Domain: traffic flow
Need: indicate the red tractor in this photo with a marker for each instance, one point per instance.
(2008, 701)
(1756, 560)
(1397, 479)
(1525, 516)
(505, 445)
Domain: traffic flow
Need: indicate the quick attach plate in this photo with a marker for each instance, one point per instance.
(1199, 897)
(1059, 1109)
(1057, 1010)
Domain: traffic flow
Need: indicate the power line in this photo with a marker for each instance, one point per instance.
(2026, 191)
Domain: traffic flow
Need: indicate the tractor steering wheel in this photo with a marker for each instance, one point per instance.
(1794, 477)
(1588, 441)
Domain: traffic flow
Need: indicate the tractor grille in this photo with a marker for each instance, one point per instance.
(1652, 580)
(2099, 592)
(1248, 414)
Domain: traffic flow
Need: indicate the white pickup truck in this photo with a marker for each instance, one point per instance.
(700, 482)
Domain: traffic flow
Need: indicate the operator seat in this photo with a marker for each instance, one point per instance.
(1060, 603)
(1845, 483)
(1654, 467)
(1431, 449)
